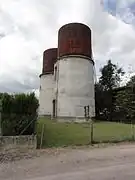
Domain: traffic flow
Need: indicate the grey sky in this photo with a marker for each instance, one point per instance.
(28, 27)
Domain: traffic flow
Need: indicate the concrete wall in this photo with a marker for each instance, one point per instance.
(46, 96)
(75, 87)
(15, 142)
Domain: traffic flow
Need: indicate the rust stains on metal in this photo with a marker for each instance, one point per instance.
(49, 59)
(74, 39)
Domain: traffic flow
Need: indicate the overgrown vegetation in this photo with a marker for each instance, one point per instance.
(125, 100)
(19, 114)
(114, 103)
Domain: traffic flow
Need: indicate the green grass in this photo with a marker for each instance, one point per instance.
(65, 134)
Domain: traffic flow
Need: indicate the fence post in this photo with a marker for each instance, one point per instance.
(91, 131)
(132, 131)
(0, 118)
(90, 121)
(42, 135)
(91, 127)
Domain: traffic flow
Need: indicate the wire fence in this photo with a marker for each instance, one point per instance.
(113, 132)
(52, 133)
(16, 146)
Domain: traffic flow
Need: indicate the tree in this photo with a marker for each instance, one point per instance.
(110, 79)
(100, 102)
(110, 76)
(120, 104)
(125, 100)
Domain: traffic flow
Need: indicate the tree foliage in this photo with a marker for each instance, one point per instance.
(110, 79)
(114, 102)
(110, 76)
(125, 100)
(19, 113)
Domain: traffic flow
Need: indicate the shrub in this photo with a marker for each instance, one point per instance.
(19, 114)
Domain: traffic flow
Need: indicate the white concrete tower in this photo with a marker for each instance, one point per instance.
(47, 83)
(75, 74)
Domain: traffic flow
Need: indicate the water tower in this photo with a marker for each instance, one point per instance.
(47, 83)
(75, 74)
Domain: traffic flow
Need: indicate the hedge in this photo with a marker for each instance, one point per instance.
(19, 114)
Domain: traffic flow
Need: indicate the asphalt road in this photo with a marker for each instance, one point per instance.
(110, 163)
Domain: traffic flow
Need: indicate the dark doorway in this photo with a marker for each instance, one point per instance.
(55, 73)
(54, 108)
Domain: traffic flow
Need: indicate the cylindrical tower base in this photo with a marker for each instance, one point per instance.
(46, 96)
(75, 87)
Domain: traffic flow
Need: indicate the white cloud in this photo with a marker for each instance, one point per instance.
(27, 28)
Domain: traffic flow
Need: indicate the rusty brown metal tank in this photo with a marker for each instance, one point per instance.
(74, 39)
(49, 59)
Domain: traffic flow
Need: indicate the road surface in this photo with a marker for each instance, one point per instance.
(110, 163)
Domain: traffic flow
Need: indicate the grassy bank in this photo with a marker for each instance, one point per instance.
(64, 134)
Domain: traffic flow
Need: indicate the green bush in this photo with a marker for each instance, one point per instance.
(19, 114)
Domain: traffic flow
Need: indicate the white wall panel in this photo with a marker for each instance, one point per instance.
(46, 96)
(75, 87)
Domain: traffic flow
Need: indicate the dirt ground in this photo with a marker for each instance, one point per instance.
(104, 163)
